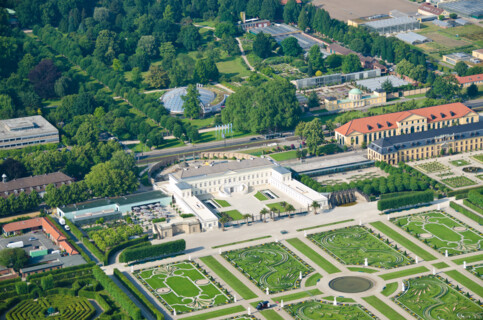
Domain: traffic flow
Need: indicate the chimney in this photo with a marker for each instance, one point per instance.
(4, 178)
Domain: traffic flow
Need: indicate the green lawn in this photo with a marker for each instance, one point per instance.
(443, 230)
(440, 265)
(403, 241)
(282, 156)
(233, 66)
(238, 242)
(312, 280)
(325, 225)
(465, 281)
(431, 167)
(366, 270)
(312, 255)
(278, 206)
(217, 313)
(260, 196)
(478, 157)
(459, 163)
(389, 289)
(270, 265)
(234, 214)
(339, 299)
(223, 203)
(271, 315)
(298, 295)
(200, 123)
(352, 245)
(471, 259)
(326, 310)
(383, 308)
(228, 277)
(458, 182)
(183, 286)
(404, 273)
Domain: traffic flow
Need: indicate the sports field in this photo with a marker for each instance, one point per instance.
(308, 310)
(441, 232)
(353, 244)
(431, 298)
(270, 265)
(183, 287)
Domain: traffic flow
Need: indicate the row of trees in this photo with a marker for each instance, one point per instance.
(154, 251)
(109, 237)
(18, 204)
(414, 198)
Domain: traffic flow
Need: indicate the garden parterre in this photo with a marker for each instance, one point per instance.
(477, 270)
(352, 245)
(432, 297)
(270, 265)
(308, 310)
(441, 232)
(431, 167)
(183, 286)
(458, 182)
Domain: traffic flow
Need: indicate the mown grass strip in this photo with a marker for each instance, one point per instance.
(440, 265)
(383, 308)
(229, 278)
(403, 241)
(312, 255)
(325, 225)
(471, 259)
(404, 273)
(312, 280)
(238, 242)
(298, 295)
(389, 289)
(465, 281)
(339, 299)
(271, 315)
(217, 313)
(359, 269)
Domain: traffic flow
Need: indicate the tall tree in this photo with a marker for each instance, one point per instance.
(43, 78)
(190, 37)
(191, 104)
(351, 63)
(303, 20)
(316, 59)
(262, 46)
(291, 47)
(461, 68)
(291, 12)
(157, 77)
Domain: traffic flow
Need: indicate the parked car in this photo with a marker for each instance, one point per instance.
(284, 232)
(263, 305)
(32, 239)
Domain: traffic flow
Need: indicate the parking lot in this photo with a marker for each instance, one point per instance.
(41, 241)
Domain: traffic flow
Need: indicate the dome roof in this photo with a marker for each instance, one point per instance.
(173, 101)
(355, 91)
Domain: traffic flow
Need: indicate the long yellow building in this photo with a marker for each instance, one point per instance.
(368, 129)
(427, 144)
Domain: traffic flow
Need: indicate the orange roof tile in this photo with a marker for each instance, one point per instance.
(470, 79)
(21, 225)
(389, 121)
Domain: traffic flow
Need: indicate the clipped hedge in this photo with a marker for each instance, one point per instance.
(397, 194)
(148, 252)
(141, 297)
(464, 192)
(466, 212)
(62, 271)
(123, 245)
(476, 197)
(405, 200)
(471, 205)
(117, 294)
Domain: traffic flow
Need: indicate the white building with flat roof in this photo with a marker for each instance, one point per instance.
(190, 185)
(27, 131)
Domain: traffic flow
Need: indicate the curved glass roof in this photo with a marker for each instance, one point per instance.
(174, 103)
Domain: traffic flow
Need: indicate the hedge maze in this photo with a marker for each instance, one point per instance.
(183, 287)
(430, 297)
(353, 244)
(442, 232)
(270, 265)
(308, 310)
(65, 308)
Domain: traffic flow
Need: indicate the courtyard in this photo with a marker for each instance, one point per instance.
(350, 176)
(183, 286)
(441, 232)
(352, 245)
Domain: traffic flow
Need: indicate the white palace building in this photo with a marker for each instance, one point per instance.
(192, 185)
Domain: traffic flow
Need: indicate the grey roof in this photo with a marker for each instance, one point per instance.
(385, 23)
(34, 181)
(443, 24)
(41, 267)
(376, 83)
(412, 38)
(173, 101)
(26, 127)
(425, 138)
(74, 260)
(222, 167)
(281, 170)
(183, 185)
(282, 31)
(461, 21)
(473, 8)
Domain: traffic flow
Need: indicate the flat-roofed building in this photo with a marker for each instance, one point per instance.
(250, 24)
(393, 25)
(478, 54)
(27, 131)
(454, 58)
(365, 130)
(29, 184)
(412, 38)
(427, 144)
(356, 99)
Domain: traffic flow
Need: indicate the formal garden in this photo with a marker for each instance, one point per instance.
(53, 307)
(441, 232)
(432, 297)
(183, 286)
(270, 265)
(459, 163)
(352, 245)
(308, 310)
(477, 270)
(431, 167)
(458, 182)
(478, 157)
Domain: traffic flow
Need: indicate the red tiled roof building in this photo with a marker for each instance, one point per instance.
(467, 81)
